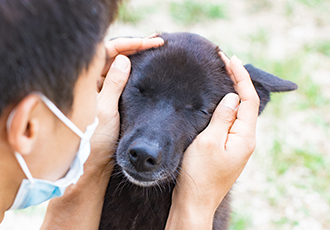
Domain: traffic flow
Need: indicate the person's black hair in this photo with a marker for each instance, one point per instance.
(46, 44)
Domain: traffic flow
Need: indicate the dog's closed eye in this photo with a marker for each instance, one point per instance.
(169, 99)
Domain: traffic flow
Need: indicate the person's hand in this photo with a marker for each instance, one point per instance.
(216, 158)
(127, 46)
(115, 75)
(81, 205)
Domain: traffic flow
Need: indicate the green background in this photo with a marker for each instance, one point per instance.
(286, 183)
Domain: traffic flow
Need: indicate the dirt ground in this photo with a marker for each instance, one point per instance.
(286, 182)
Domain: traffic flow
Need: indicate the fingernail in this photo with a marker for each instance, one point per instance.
(121, 63)
(237, 59)
(159, 40)
(231, 100)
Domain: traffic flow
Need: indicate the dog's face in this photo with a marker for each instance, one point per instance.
(169, 99)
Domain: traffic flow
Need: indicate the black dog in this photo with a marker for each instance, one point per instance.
(169, 99)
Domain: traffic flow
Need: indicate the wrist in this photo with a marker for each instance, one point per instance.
(82, 203)
(92, 183)
(189, 218)
(185, 214)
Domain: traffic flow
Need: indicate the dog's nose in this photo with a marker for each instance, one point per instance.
(145, 156)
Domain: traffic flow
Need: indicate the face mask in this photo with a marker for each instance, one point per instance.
(35, 191)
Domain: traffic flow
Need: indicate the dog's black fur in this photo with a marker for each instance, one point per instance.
(168, 101)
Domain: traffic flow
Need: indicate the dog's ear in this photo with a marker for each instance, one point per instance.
(265, 83)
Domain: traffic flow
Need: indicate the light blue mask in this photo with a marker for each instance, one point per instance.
(35, 191)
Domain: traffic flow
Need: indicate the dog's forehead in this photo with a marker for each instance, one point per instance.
(187, 68)
(183, 61)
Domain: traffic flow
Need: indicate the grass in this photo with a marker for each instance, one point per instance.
(285, 158)
(288, 171)
(320, 122)
(312, 95)
(321, 47)
(129, 14)
(309, 159)
(294, 68)
(260, 37)
(313, 3)
(191, 12)
(281, 161)
(315, 164)
(256, 6)
(239, 221)
(285, 221)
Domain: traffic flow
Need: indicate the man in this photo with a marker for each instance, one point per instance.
(56, 77)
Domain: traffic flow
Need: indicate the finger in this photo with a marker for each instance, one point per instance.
(223, 118)
(108, 63)
(249, 107)
(227, 63)
(241, 136)
(114, 83)
(155, 35)
(128, 46)
(242, 133)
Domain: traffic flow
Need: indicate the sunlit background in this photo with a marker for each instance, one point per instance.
(286, 184)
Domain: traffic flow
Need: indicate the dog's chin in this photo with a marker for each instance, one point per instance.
(139, 182)
(142, 181)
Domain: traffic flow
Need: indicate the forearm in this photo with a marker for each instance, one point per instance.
(81, 205)
(189, 211)
(189, 219)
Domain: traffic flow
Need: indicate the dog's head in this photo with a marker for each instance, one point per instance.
(169, 99)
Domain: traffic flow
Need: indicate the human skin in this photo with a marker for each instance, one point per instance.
(46, 144)
(216, 158)
(81, 205)
(229, 138)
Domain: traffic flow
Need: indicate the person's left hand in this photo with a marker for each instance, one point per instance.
(127, 46)
(81, 205)
(115, 75)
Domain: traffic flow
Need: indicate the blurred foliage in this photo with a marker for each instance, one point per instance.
(261, 37)
(239, 221)
(315, 162)
(285, 221)
(129, 14)
(314, 3)
(292, 68)
(193, 11)
(304, 168)
(322, 47)
(256, 6)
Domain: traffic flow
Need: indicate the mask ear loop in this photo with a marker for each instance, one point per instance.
(18, 156)
(24, 167)
(60, 115)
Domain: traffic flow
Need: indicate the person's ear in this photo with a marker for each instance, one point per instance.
(265, 83)
(22, 127)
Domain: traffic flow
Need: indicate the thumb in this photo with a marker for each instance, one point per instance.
(223, 118)
(115, 82)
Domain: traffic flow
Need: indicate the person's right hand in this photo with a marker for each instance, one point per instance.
(114, 78)
(216, 158)
(81, 205)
